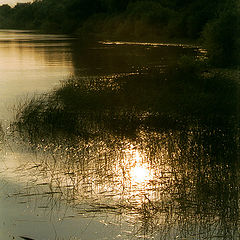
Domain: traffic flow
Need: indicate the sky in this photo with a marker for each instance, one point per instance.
(12, 2)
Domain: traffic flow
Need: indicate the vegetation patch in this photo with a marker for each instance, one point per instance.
(186, 93)
(215, 22)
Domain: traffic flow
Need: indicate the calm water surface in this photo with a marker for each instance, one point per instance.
(119, 151)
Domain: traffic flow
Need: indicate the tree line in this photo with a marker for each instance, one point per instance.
(216, 22)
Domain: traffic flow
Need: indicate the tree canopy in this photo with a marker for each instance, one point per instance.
(131, 19)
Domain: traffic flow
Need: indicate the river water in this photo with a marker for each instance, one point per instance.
(113, 153)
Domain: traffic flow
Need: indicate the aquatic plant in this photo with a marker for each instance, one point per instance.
(158, 147)
(184, 93)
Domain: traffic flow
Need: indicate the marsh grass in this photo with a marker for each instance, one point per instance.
(181, 122)
(2, 133)
(192, 193)
(184, 93)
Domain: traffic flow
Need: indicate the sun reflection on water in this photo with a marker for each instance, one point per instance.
(139, 172)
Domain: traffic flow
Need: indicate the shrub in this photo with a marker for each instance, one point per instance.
(221, 38)
(149, 12)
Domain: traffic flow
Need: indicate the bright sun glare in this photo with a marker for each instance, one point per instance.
(138, 172)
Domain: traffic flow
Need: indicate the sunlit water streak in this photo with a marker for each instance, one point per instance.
(150, 44)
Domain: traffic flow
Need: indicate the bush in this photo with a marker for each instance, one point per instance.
(150, 12)
(221, 38)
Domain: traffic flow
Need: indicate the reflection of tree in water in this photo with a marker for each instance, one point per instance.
(102, 59)
(164, 156)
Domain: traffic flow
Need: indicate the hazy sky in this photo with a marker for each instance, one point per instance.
(12, 2)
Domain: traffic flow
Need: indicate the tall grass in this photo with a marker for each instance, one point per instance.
(181, 123)
(184, 94)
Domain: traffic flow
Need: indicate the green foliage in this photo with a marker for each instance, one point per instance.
(204, 11)
(150, 12)
(222, 39)
(189, 67)
(56, 15)
(216, 21)
(5, 11)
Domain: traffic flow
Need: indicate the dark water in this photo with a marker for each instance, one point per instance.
(115, 141)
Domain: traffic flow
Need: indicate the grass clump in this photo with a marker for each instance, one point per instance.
(185, 94)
